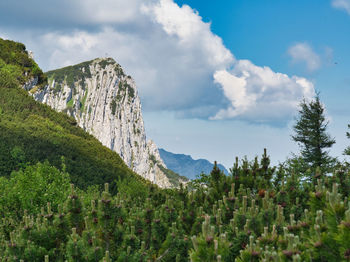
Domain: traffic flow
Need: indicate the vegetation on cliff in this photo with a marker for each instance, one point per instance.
(16, 67)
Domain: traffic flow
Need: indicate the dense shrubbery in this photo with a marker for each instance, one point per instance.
(257, 213)
(31, 188)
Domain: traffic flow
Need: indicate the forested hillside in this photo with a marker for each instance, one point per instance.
(32, 132)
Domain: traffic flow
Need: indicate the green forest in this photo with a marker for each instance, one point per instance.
(65, 197)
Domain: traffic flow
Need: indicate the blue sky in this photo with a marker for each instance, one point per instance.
(217, 79)
(262, 31)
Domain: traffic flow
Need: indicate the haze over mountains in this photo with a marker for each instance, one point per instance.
(186, 166)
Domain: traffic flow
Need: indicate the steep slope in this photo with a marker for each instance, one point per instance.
(32, 132)
(16, 67)
(105, 103)
(186, 166)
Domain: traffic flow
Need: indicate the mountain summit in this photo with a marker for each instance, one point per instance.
(105, 103)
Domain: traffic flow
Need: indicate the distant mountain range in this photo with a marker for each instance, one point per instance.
(186, 166)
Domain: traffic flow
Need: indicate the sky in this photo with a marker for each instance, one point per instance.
(217, 79)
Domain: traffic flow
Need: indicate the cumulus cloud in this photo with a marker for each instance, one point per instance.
(190, 30)
(178, 63)
(260, 94)
(303, 53)
(342, 4)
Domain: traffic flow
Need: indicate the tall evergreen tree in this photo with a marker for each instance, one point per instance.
(347, 150)
(310, 133)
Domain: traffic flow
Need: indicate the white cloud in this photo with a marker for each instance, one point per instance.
(342, 4)
(259, 94)
(80, 40)
(303, 53)
(178, 63)
(235, 90)
(186, 24)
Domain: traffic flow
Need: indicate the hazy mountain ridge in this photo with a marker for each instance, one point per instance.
(186, 166)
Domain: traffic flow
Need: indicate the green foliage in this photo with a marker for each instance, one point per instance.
(123, 89)
(15, 65)
(119, 70)
(8, 77)
(215, 218)
(71, 74)
(70, 103)
(132, 188)
(113, 106)
(83, 101)
(31, 188)
(104, 62)
(209, 246)
(347, 150)
(174, 178)
(310, 133)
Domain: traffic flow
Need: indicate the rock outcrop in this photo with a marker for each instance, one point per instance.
(105, 103)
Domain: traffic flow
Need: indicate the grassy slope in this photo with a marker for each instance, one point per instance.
(32, 132)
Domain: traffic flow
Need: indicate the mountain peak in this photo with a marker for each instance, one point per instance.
(105, 103)
(84, 70)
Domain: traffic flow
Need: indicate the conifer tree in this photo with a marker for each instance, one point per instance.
(311, 135)
(347, 150)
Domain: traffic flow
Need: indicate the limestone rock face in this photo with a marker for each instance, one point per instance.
(105, 103)
(30, 84)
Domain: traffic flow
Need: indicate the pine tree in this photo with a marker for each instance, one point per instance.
(347, 150)
(310, 134)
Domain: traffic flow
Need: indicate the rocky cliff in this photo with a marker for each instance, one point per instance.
(105, 103)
